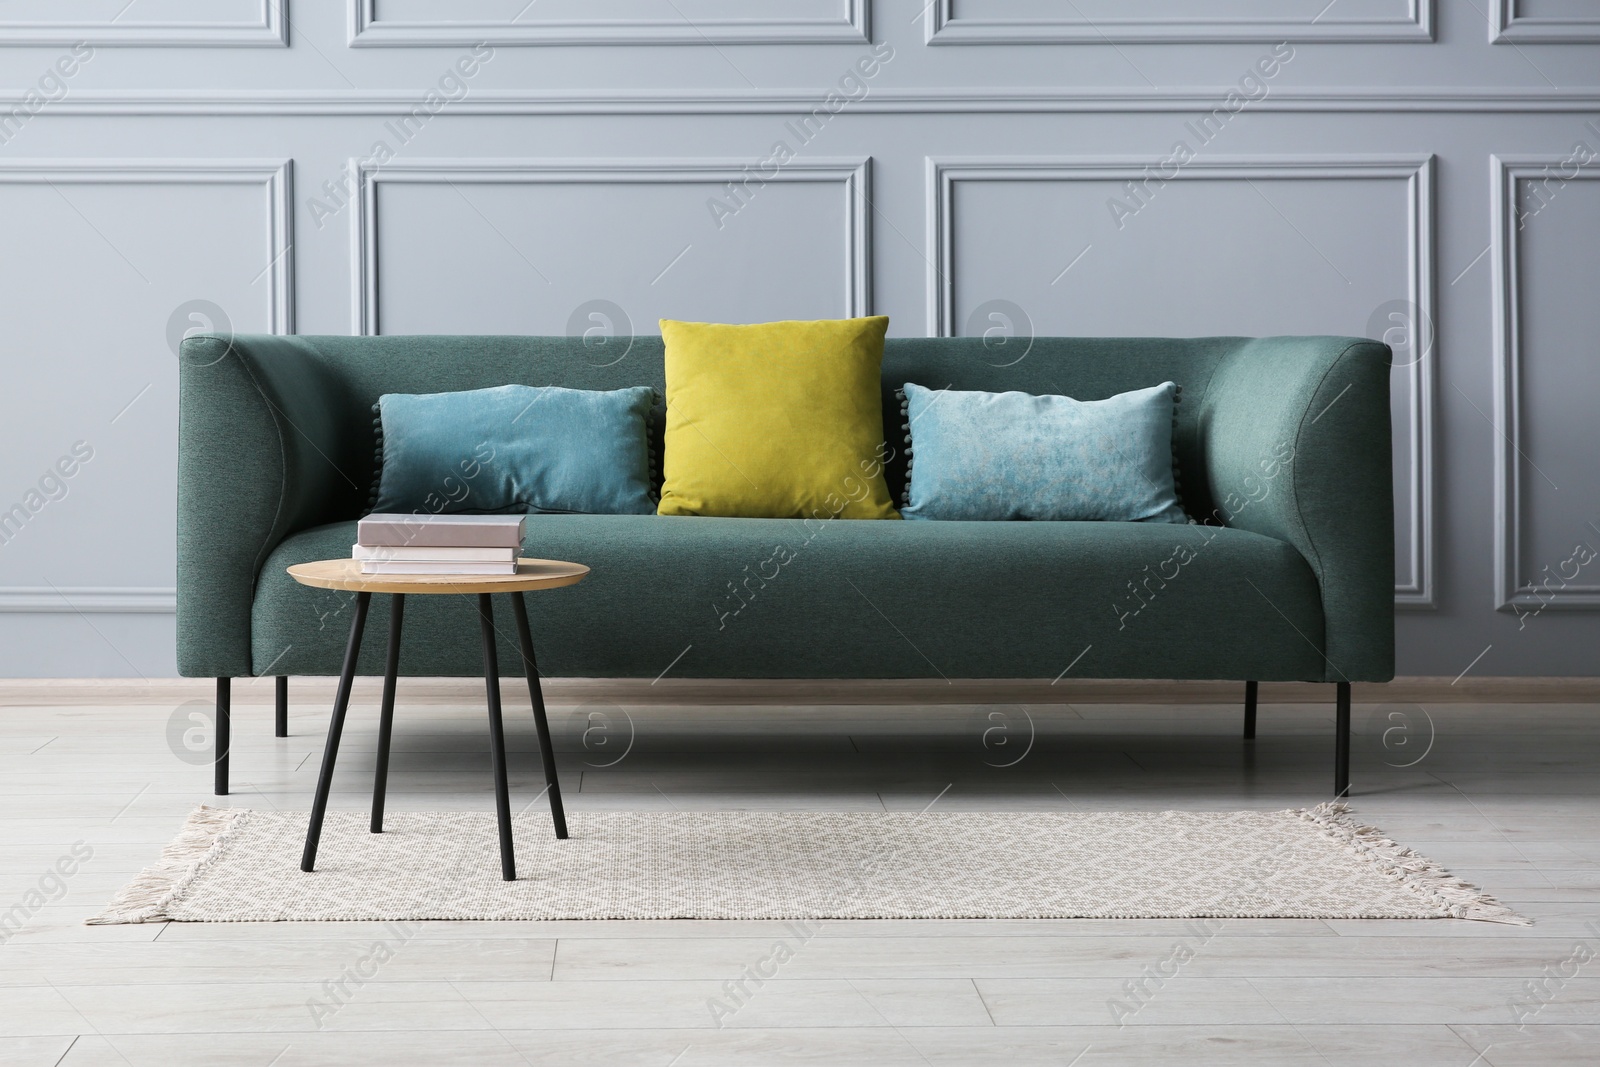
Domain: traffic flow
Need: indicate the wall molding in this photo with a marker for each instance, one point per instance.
(944, 27)
(366, 30)
(1508, 27)
(1513, 589)
(854, 175)
(276, 178)
(89, 599)
(1415, 171)
(270, 31)
(884, 101)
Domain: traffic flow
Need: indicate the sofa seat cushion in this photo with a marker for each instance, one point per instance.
(786, 598)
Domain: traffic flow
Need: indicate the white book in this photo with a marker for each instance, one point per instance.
(441, 554)
(423, 566)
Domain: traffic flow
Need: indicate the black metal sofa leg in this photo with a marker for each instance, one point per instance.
(220, 756)
(1341, 752)
(1250, 711)
(281, 727)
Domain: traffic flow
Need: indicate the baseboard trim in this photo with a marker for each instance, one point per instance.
(638, 692)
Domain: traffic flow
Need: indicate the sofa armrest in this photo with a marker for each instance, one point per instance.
(1294, 443)
(260, 425)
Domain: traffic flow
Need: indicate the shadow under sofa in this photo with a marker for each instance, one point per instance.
(1283, 452)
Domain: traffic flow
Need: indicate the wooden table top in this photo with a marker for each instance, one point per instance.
(346, 574)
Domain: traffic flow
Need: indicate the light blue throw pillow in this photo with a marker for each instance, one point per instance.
(516, 448)
(1017, 456)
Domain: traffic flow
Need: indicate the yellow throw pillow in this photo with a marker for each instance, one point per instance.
(775, 420)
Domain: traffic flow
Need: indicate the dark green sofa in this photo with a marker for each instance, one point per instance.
(1283, 448)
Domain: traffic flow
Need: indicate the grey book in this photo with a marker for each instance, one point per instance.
(449, 531)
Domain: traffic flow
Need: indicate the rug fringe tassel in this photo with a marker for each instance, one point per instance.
(148, 896)
(1458, 898)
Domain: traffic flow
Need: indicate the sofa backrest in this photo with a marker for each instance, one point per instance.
(352, 372)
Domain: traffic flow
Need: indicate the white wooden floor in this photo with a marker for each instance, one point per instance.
(1505, 795)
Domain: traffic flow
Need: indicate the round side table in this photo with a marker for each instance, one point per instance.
(346, 574)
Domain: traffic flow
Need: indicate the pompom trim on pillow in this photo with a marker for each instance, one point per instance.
(377, 457)
(905, 425)
(1177, 475)
(657, 478)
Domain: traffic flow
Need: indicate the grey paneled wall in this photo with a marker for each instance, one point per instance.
(1013, 218)
(1401, 168)
(453, 212)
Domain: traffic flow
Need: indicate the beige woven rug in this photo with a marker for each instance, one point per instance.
(234, 865)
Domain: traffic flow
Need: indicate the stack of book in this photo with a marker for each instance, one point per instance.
(438, 544)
